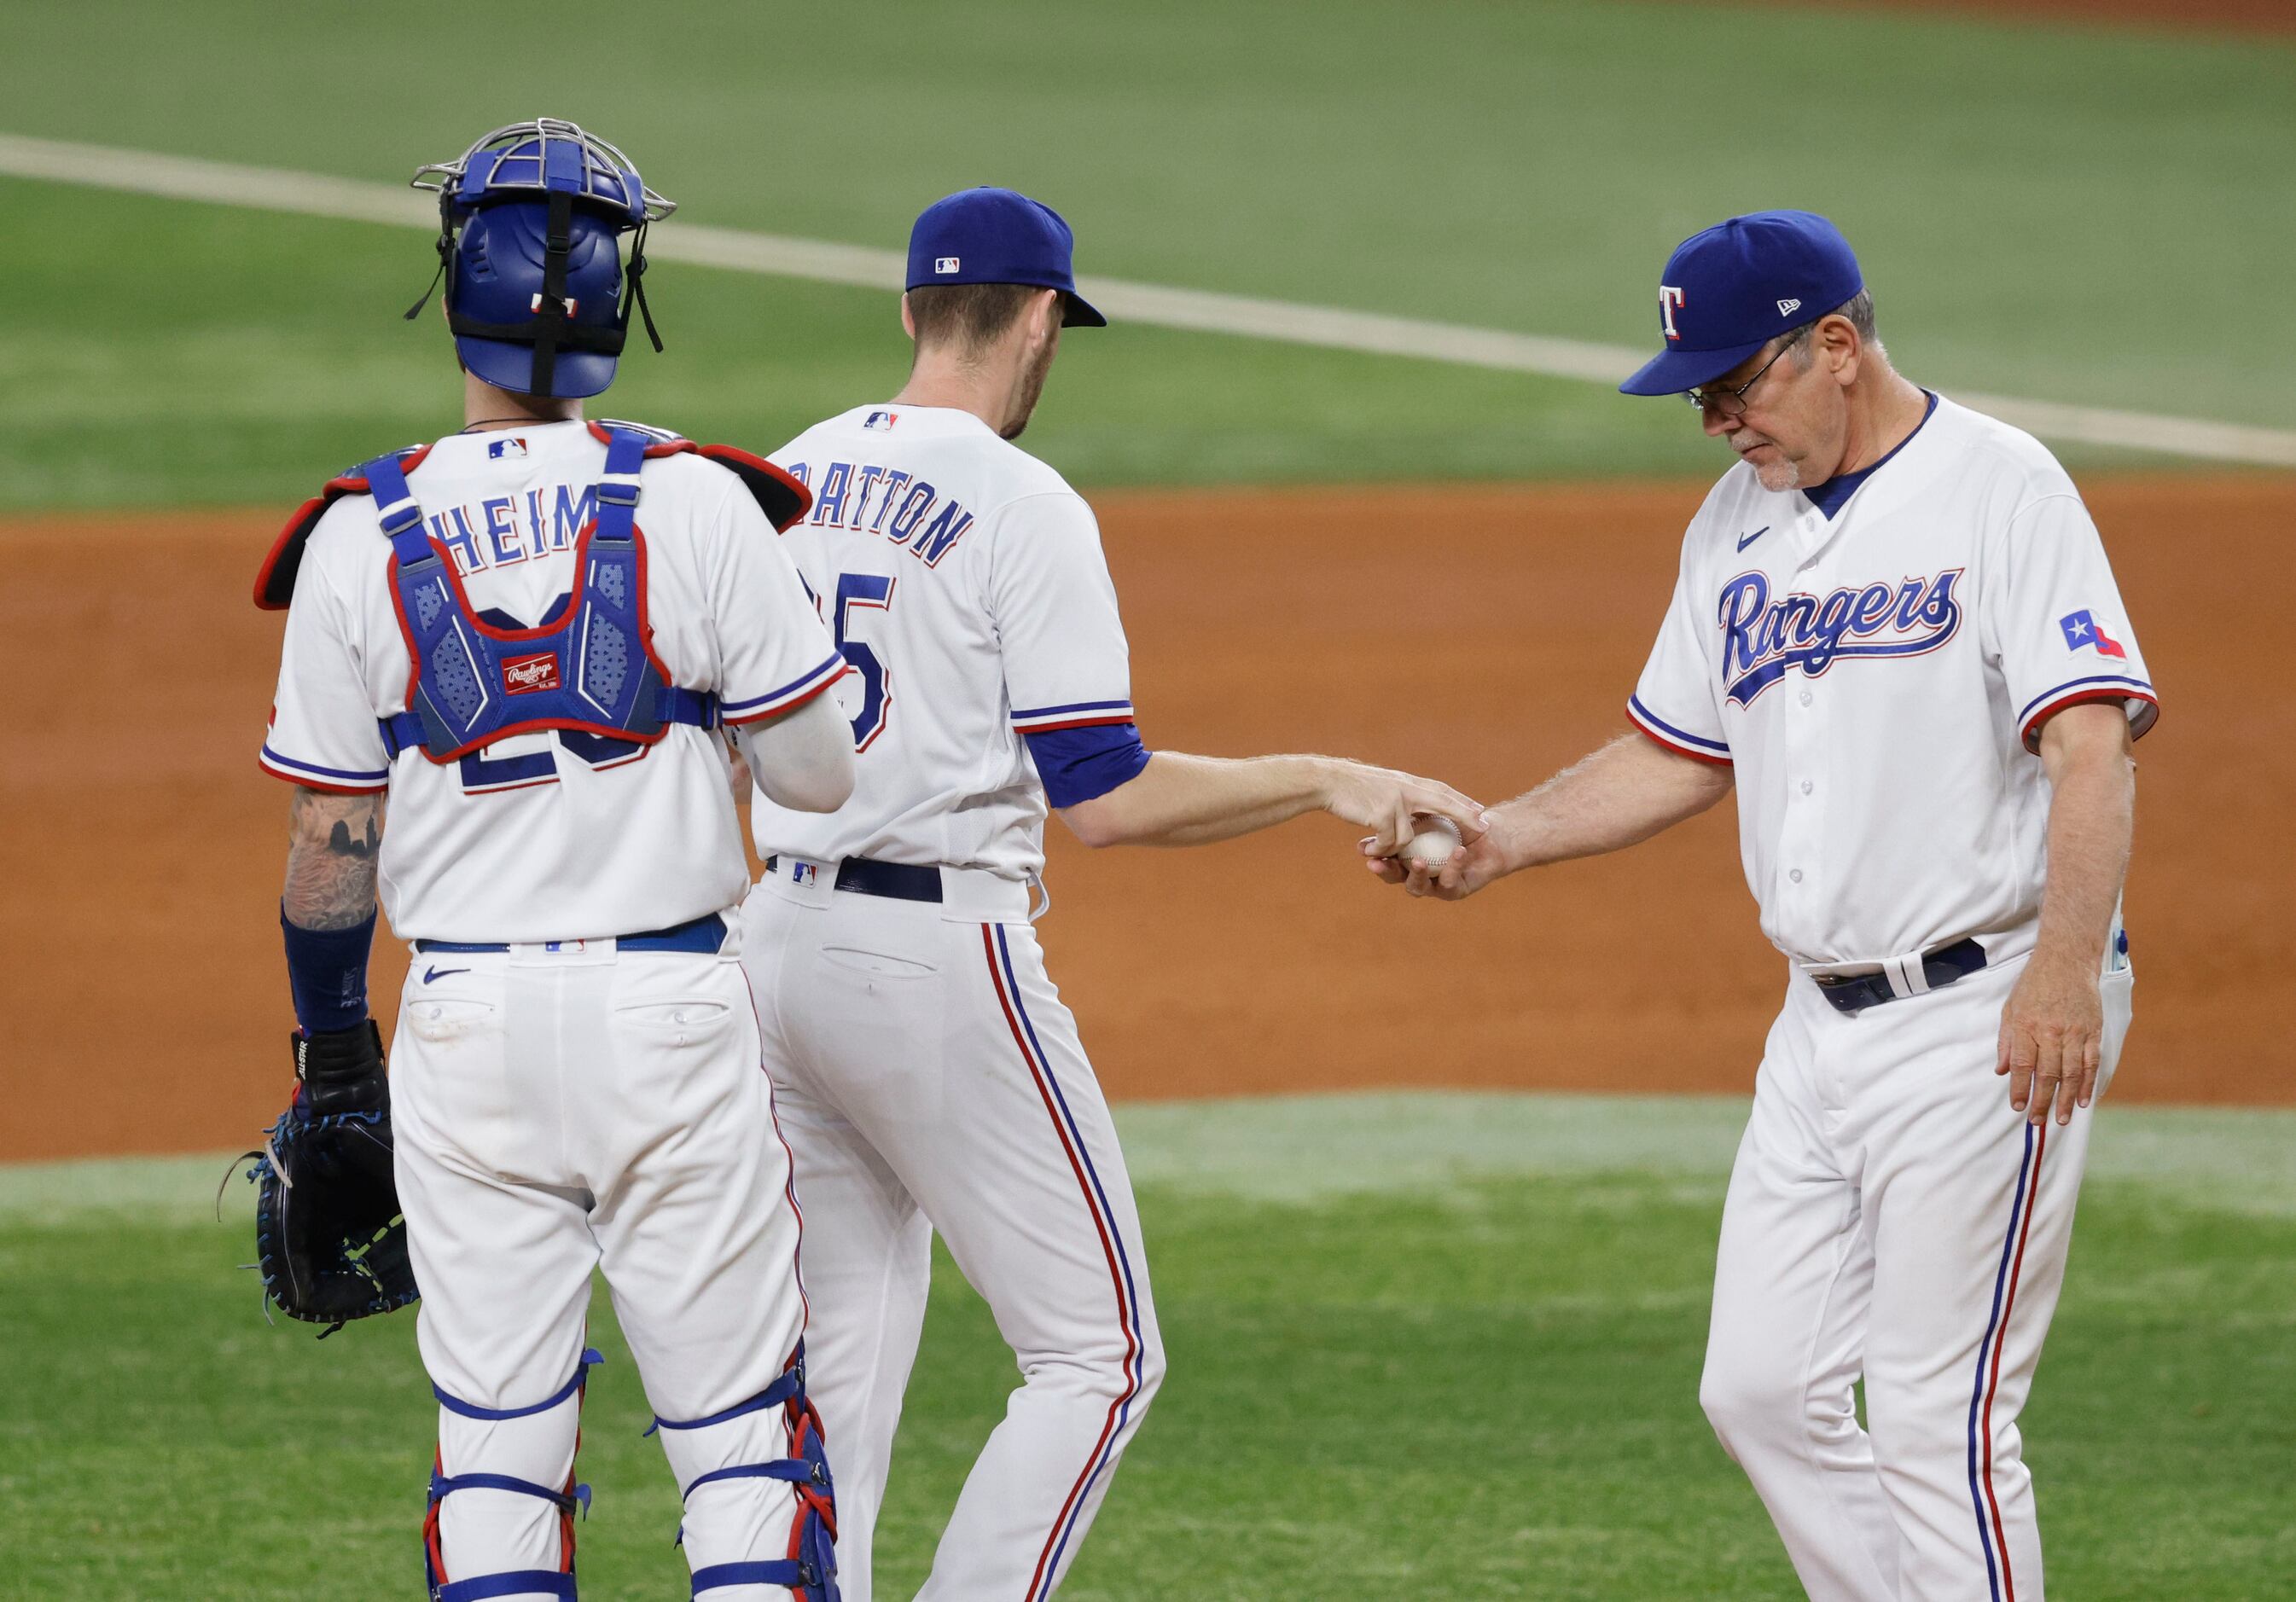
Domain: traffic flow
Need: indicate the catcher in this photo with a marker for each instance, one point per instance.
(529, 635)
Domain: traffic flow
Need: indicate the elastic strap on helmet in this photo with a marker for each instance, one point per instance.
(636, 289)
(551, 305)
(445, 248)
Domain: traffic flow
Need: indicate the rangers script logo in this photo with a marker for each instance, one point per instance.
(1762, 638)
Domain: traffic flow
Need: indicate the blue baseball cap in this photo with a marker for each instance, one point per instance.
(988, 235)
(1731, 290)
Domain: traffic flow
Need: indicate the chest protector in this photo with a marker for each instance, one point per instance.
(591, 670)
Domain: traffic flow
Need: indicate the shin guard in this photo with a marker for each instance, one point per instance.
(567, 1500)
(808, 1569)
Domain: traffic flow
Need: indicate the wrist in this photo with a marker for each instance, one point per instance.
(326, 973)
(341, 1070)
(2068, 960)
(1508, 837)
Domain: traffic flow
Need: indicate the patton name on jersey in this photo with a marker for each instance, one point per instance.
(902, 509)
(1763, 638)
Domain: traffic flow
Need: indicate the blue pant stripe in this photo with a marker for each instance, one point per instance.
(1993, 1331)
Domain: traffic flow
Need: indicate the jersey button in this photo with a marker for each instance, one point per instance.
(1807, 698)
(1805, 787)
(1795, 876)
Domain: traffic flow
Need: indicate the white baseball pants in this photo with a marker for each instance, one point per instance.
(555, 1111)
(1891, 1218)
(929, 1078)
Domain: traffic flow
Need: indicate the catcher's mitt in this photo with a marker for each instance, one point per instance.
(328, 1233)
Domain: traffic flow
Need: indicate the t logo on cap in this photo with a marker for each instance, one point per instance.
(1754, 277)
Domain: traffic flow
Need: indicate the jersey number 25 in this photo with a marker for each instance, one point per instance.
(858, 592)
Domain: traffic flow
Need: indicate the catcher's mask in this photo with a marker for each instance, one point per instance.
(530, 219)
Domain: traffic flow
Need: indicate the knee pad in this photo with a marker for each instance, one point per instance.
(510, 1583)
(809, 1571)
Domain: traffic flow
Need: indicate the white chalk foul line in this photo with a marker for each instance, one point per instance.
(315, 194)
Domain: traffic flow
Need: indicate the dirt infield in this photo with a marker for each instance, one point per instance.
(2227, 16)
(143, 848)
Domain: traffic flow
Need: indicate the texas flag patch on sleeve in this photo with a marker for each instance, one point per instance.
(2082, 629)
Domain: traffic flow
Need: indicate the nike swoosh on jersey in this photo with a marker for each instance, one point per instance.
(429, 974)
(1745, 540)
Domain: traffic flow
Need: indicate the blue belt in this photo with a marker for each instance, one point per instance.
(705, 933)
(1940, 968)
(896, 881)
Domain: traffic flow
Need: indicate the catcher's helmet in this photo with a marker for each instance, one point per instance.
(529, 222)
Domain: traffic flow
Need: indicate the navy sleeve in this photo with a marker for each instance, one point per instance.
(1077, 765)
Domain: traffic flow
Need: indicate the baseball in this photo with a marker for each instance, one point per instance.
(1437, 839)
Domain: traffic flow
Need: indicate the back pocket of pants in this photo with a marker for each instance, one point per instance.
(440, 1021)
(678, 1023)
(880, 965)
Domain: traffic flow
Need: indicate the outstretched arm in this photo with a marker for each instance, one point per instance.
(1620, 795)
(2053, 1030)
(1182, 800)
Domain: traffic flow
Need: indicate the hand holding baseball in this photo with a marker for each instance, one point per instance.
(1433, 846)
(1437, 861)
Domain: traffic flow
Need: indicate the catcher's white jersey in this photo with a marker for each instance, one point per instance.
(526, 839)
(1878, 677)
(964, 580)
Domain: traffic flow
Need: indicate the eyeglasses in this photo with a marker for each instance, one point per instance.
(1732, 402)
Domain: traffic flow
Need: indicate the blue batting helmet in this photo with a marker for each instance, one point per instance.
(530, 220)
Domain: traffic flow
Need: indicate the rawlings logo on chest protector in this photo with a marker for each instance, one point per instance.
(530, 676)
(1763, 638)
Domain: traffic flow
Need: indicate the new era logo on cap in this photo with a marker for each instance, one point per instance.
(1787, 308)
(946, 264)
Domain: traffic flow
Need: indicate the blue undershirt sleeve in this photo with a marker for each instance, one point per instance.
(1077, 765)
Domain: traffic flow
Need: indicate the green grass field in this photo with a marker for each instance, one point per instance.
(1436, 1346)
(2085, 215)
(1439, 1346)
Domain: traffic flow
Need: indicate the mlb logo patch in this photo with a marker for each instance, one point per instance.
(802, 873)
(2082, 629)
(498, 449)
(528, 676)
(945, 264)
(881, 420)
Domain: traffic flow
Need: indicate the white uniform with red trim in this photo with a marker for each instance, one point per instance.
(927, 1073)
(1875, 659)
(561, 1103)
(527, 840)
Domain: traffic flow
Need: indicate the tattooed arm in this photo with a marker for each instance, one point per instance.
(331, 856)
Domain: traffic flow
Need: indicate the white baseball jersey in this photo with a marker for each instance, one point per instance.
(1877, 668)
(965, 583)
(526, 839)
